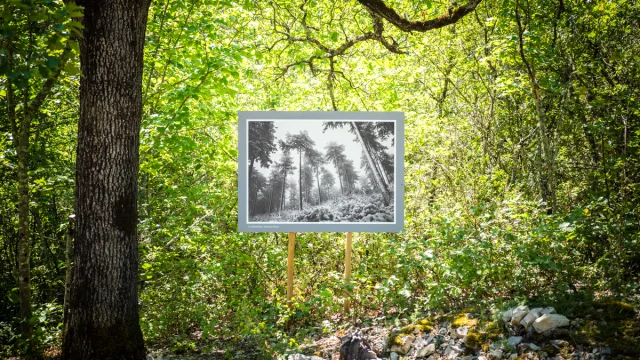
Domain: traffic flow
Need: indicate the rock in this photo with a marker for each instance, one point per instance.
(549, 322)
(519, 313)
(529, 319)
(461, 332)
(506, 316)
(406, 345)
(514, 340)
(548, 310)
(303, 357)
(355, 347)
(426, 350)
(513, 356)
(393, 356)
(559, 343)
(495, 355)
(534, 347)
(451, 353)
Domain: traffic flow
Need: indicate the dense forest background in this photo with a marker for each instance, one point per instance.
(522, 163)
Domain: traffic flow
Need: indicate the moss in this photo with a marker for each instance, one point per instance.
(408, 329)
(613, 309)
(622, 336)
(396, 339)
(473, 340)
(463, 320)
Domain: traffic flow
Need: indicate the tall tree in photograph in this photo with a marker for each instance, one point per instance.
(328, 181)
(300, 142)
(334, 153)
(316, 160)
(257, 184)
(104, 321)
(365, 142)
(350, 175)
(261, 143)
(286, 168)
(376, 172)
(274, 185)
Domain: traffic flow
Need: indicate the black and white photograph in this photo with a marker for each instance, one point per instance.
(315, 171)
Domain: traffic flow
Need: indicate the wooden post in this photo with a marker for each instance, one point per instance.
(292, 240)
(347, 272)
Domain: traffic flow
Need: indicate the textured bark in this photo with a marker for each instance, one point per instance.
(454, 14)
(300, 176)
(319, 193)
(103, 313)
(376, 175)
(69, 266)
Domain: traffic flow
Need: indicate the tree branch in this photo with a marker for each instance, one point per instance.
(378, 7)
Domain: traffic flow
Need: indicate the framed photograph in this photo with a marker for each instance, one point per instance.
(320, 171)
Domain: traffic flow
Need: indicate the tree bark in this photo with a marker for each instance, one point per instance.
(103, 313)
(300, 176)
(319, 193)
(376, 175)
(339, 178)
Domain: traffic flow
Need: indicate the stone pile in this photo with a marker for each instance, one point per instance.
(533, 334)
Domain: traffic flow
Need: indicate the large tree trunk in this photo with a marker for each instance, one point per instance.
(319, 193)
(300, 176)
(339, 178)
(376, 175)
(103, 314)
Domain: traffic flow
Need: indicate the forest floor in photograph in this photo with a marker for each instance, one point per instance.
(349, 208)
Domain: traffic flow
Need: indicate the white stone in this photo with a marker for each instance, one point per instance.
(519, 313)
(514, 340)
(406, 345)
(548, 310)
(393, 356)
(426, 350)
(529, 319)
(495, 354)
(461, 332)
(534, 347)
(549, 322)
(506, 316)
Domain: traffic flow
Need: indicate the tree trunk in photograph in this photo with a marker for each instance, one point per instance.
(271, 199)
(300, 176)
(376, 175)
(104, 321)
(319, 193)
(251, 169)
(339, 178)
(284, 183)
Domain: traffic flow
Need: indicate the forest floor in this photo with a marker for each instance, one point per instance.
(603, 330)
(347, 208)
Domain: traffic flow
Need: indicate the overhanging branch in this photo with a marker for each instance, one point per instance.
(454, 14)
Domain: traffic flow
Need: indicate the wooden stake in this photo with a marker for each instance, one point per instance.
(347, 272)
(292, 246)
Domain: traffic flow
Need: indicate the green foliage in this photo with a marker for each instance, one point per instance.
(477, 232)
